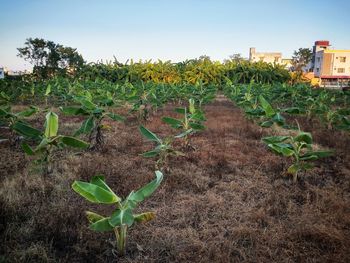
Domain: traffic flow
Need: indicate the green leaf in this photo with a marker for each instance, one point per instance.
(74, 142)
(102, 225)
(48, 90)
(27, 149)
(115, 117)
(51, 125)
(93, 217)
(27, 113)
(293, 110)
(266, 124)
(197, 126)
(149, 135)
(144, 192)
(180, 110)
(150, 154)
(191, 106)
(279, 119)
(175, 123)
(95, 193)
(144, 217)
(26, 130)
(121, 217)
(269, 111)
(303, 137)
(86, 127)
(183, 134)
(87, 104)
(275, 139)
(73, 111)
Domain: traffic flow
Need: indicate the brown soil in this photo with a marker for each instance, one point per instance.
(226, 201)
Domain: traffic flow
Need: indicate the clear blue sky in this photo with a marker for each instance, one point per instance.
(172, 29)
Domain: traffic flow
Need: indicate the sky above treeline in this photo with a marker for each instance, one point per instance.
(171, 29)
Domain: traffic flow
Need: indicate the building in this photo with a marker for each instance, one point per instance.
(269, 57)
(2, 73)
(332, 66)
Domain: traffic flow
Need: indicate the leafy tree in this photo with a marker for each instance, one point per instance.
(49, 58)
(301, 58)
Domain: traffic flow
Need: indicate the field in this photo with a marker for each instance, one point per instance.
(228, 199)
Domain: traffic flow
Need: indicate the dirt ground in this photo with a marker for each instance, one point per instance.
(226, 201)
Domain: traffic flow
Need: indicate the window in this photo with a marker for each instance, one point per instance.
(342, 59)
(318, 59)
(317, 69)
(341, 70)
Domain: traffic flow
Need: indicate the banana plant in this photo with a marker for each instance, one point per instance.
(123, 217)
(190, 123)
(17, 124)
(163, 149)
(50, 140)
(299, 148)
(92, 125)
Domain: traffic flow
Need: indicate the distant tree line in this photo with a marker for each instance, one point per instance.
(50, 60)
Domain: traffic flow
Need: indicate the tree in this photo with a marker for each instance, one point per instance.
(301, 58)
(49, 58)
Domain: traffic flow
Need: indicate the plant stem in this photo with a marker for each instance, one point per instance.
(120, 233)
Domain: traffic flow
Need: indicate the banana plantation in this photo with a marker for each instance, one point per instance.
(197, 161)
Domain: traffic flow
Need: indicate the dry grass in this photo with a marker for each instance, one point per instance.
(225, 202)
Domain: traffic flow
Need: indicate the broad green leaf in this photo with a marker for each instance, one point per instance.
(73, 110)
(269, 111)
(48, 90)
(27, 149)
(279, 119)
(86, 126)
(87, 104)
(185, 133)
(99, 180)
(51, 125)
(294, 110)
(180, 110)
(275, 139)
(196, 126)
(150, 153)
(303, 137)
(115, 117)
(121, 217)
(144, 217)
(102, 225)
(149, 135)
(27, 113)
(145, 191)
(93, 217)
(95, 193)
(74, 142)
(26, 130)
(266, 124)
(175, 123)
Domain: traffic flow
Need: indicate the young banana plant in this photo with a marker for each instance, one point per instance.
(93, 125)
(123, 217)
(51, 140)
(299, 148)
(163, 149)
(190, 123)
(16, 123)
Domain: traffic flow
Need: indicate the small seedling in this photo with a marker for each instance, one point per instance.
(299, 148)
(122, 218)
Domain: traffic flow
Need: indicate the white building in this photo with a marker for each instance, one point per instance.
(269, 57)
